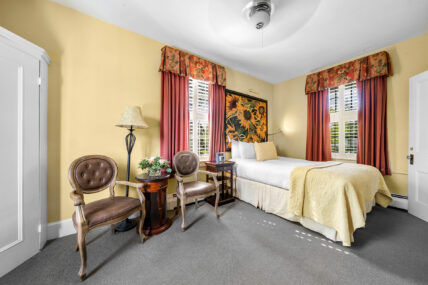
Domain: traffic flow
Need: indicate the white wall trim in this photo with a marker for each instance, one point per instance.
(65, 227)
(171, 201)
(60, 229)
(24, 45)
(43, 148)
(400, 202)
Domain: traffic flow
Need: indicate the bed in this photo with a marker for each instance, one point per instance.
(266, 184)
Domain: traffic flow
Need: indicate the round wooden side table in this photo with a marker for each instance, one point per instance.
(154, 191)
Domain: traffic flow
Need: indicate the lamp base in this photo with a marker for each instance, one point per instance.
(125, 225)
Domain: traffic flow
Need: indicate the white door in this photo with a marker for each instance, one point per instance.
(418, 146)
(19, 153)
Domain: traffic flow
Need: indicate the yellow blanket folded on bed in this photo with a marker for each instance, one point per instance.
(334, 194)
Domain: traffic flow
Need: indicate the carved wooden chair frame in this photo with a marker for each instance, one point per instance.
(181, 194)
(77, 196)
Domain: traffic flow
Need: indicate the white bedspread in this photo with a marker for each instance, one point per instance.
(271, 172)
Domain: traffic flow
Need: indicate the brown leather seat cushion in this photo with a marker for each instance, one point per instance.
(196, 188)
(107, 209)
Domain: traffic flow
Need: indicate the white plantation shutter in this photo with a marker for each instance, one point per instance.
(351, 97)
(191, 131)
(333, 97)
(202, 90)
(203, 139)
(343, 106)
(351, 136)
(191, 97)
(334, 137)
(198, 123)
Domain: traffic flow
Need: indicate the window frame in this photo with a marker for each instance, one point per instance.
(341, 117)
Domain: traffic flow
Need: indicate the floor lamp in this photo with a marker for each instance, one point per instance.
(131, 119)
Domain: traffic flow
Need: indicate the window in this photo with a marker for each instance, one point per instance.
(343, 106)
(198, 121)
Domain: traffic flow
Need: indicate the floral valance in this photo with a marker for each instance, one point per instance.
(184, 64)
(360, 69)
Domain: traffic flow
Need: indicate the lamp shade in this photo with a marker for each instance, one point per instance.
(132, 118)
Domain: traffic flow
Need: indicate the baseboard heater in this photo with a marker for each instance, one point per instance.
(399, 201)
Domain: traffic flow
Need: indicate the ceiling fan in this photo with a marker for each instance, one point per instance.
(258, 23)
(259, 13)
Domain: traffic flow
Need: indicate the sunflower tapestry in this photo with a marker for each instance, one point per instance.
(245, 118)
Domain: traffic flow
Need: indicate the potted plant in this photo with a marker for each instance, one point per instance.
(154, 165)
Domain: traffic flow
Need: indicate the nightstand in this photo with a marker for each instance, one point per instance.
(226, 191)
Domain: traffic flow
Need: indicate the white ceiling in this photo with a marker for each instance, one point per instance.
(303, 36)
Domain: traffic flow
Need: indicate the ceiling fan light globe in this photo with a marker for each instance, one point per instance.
(260, 19)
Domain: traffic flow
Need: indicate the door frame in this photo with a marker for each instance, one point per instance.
(43, 146)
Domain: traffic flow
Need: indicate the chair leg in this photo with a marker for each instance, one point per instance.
(76, 247)
(217, 198)
(178, 206)
(81, 239)
(143, 237)
(183, 213)
(196, 203)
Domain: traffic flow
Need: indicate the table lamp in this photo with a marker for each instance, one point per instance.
(131, 119)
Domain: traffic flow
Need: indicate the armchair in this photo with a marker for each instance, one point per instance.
(91, 174)
(186, 164)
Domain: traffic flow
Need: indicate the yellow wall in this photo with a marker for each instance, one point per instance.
(97, 69)
(289, 109)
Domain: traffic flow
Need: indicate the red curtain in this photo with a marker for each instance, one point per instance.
(372, 128)
(217, 97)
(174, 120)
(318, 147)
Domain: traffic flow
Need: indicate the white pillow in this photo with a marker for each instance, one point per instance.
(246, 150)
(235, 150)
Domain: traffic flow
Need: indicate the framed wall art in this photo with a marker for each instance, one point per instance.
(245, 118)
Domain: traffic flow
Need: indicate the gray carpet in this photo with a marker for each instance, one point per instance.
(245, 246)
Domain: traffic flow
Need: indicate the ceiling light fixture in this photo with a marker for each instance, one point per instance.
(255, 24)
(259, 13)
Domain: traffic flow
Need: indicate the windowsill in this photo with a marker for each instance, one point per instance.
(203, 161)
(348, 160)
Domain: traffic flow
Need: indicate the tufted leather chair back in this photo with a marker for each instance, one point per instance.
(92, 173)
(186, 163)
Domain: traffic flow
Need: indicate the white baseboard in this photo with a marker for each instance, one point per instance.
(65, 227)
(60, 229)
(171, 201)
(400, 202)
